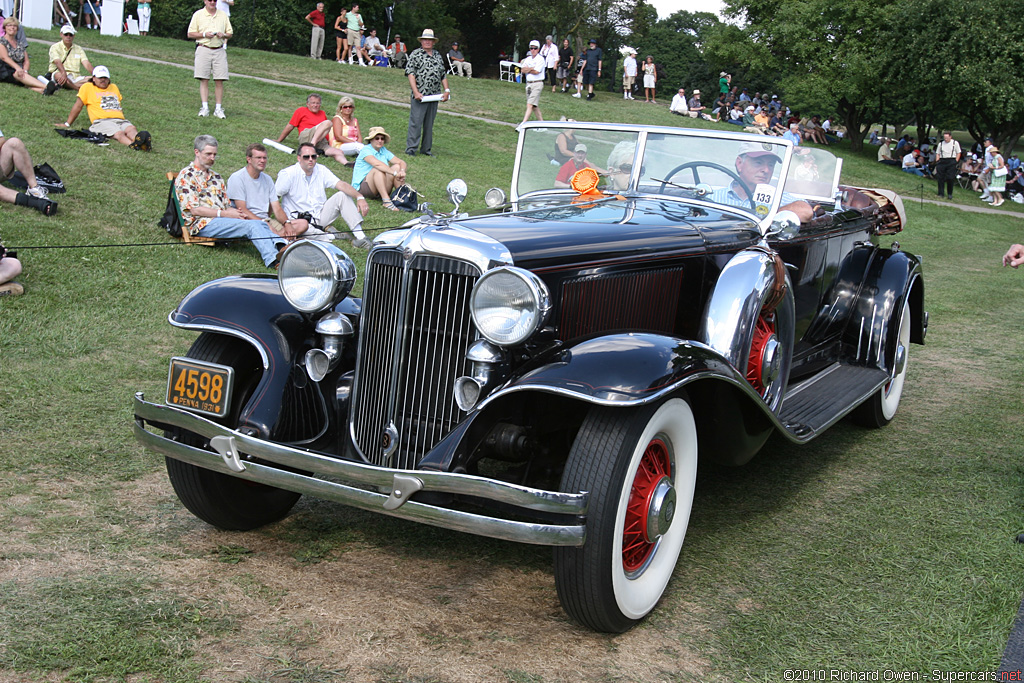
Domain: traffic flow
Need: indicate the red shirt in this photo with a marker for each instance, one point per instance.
(303, 118)
(317, 17)
(568, 169)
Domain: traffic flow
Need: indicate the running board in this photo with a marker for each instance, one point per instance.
(823, 400)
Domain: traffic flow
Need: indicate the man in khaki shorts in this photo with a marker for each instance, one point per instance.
(534, 68)
(102, 101)
(354, 23)
(211, 29)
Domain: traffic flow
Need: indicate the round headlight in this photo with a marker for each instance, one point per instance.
(509, 304)
(315, 275)
(494, 197)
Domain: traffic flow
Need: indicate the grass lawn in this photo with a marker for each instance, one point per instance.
(861, 551)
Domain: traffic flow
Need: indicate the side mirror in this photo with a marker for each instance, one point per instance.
(457, 191)
(785, 225)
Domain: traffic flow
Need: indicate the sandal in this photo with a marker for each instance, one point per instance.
(390, 206)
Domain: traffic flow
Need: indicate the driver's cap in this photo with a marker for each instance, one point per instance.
(754, 150)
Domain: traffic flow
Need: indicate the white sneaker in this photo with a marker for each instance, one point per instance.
(219, 113)
(576, 95)
(204, 112)
(987, 199)
(38, 191)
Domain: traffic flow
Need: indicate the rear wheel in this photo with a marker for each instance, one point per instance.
(639, 467)
(879, 410)
(224, 501)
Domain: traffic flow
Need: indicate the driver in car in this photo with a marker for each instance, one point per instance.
(754, 167)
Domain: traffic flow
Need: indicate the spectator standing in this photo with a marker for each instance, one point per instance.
(678, 105)
(399, 53)
(427, 76)
(225, 6)
(340, 36)
(549, 51)
(92, 11)
(592, 62)
(354, 23)
(459, 63)
(998, 172)
(724, 80)
(318, 21)
(948, 153)
(305, 118)
(303, 189)
(985, 176)
(205, 210)
(67, 61)
(102, 101)
(253, 193)
(143, 11)
(628, 74)
(211, 29)
(14, 62)
(565, 60)
(14, 157)
(650, 79)
(533, 68)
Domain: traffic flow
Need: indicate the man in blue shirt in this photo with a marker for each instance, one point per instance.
(755, 165)
(592, 67)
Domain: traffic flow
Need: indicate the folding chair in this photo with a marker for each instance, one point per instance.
(507, 71)
(189, 239)
(451, 66)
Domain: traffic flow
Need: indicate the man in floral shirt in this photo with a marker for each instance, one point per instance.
(205, 209)
(427, 75)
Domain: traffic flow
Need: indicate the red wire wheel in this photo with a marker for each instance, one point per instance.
(764, 331)
(654, 466)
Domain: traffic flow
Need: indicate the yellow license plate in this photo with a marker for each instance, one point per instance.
(199, 386)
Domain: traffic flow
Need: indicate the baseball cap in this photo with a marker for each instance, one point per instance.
(754, 150)
(67, 30)
(580, 148)
(534, 43)
(592, 41)
(101, 72)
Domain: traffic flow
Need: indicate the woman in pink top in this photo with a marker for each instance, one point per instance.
(342, 133)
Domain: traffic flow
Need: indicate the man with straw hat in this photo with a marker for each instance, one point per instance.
(427, 77)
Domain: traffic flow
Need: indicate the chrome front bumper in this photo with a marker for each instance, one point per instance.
(400, 484)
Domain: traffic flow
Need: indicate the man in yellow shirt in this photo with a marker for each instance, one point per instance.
(67, 60)
(211, 29)
(102, 101)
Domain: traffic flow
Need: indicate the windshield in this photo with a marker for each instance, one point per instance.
(730, 169)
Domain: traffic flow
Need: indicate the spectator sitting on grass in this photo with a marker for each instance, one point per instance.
(14, 157)
(10, 268)
(102, 100)
(885, 154)
(378, 171)
(911, 163)
(306, 119)
(67, 61)
(14, 62)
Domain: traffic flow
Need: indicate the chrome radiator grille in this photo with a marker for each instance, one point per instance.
(414, 333)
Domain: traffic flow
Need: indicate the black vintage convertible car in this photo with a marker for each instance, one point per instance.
(548, 371)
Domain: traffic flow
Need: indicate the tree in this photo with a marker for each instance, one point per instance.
(822, 54)
(676, 42)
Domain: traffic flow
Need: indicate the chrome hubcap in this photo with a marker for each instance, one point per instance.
(661, 508)
(771, 361)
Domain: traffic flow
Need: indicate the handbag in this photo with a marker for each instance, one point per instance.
(999, 172)
(405, 198)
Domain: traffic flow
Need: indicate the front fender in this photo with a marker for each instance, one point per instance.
(252, 308)
(623, 370)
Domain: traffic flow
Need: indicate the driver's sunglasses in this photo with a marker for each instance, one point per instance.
(309, 156)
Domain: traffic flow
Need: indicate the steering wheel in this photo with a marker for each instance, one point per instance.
(694, 165)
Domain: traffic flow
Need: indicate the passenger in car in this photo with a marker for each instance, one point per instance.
(578, 161)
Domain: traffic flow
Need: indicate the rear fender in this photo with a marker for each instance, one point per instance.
(892, 277)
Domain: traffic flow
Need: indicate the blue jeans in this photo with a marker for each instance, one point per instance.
(258, 232)
(915, 171)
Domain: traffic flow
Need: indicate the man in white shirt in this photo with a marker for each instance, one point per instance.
(303, 190)
(628, 75)
(534, 67)
(549, 51)
(678, 105)
(373, 46)
(253, 193)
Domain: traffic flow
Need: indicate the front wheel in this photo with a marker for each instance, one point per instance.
(879, 410)
(639, 466)
(219, 499)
